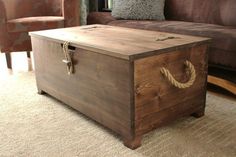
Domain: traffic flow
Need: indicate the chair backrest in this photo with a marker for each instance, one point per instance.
(220, 12)
(27, 8)
(54, 7)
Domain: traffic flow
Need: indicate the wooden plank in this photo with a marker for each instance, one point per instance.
(149, 80)
(152, 121)
(99, 88)
(166, 100)
(154, 95)
(125, 43)
(229, 86)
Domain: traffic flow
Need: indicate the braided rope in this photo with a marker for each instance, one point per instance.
(67, 55)
(178, 84)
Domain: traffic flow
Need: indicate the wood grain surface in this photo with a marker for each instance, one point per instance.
(99, 87)
(117, 80)
(156, 100)
(125, 43)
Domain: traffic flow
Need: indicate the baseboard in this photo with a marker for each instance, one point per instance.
(229, 86)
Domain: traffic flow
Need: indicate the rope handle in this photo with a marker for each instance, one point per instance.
(176, 83)
(67, 59)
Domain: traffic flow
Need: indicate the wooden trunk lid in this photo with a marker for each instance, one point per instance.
(124, 43)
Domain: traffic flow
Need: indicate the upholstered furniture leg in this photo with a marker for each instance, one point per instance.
(8, 59)
(28, 54)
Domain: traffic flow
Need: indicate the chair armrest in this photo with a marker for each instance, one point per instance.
(3, 19)
(3, 16)
(71, 12)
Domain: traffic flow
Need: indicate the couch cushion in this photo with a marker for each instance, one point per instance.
(138, 9)
(224, 38)
(35, 23)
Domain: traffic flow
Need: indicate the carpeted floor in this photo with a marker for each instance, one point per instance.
(32, 125)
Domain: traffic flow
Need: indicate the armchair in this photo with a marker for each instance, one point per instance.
(18, 17)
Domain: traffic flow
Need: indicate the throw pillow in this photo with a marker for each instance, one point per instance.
(138, 9)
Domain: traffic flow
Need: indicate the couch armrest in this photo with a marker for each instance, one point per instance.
(71, 12)
(3, 19)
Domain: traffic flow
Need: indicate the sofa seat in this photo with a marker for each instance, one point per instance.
(35, 23)
(222, 49)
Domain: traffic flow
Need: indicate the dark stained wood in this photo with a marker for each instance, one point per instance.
(198, 114)
(133, 143)
(117, 80)
(8, 60)
(28, 54)
(168, 115)
(125, 43)
(156, 98)
(92, 89)
(153, 92)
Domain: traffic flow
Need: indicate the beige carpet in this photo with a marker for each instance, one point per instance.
(39, 126)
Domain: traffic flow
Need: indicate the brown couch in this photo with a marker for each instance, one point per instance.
(209, 18)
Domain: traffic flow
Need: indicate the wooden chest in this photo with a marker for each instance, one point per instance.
(131, 81)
